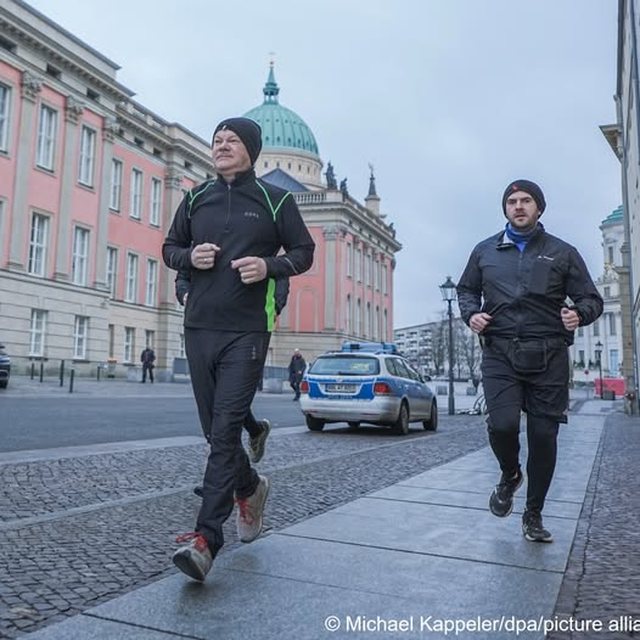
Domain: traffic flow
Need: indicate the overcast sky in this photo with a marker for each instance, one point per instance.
(450, 100)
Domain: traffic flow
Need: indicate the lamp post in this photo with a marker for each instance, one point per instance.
(448, 289)
(599, 346)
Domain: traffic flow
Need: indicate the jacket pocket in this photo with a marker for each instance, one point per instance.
(529, 356)
(540, 276)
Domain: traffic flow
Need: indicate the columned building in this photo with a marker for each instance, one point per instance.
(602, 340)
(89, 183)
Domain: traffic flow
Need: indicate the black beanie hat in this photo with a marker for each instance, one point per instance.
(248, 131)
(528, 187)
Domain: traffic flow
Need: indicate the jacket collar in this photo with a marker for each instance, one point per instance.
(504, 241)
(241, 178)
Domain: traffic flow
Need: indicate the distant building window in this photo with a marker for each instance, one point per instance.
(385, 276)
(182, 353)
(156, 202)
(136, 194)
(580, 332)
(38, 240)
(129, 344)
(80, 332)
(5, 102)
(53, 71)
(347, 319)
(607, 292)
(8, 45)
(37, 332)
(152, 282)
(87, 156)
(80, 256)
(132, 278)
(112, 341)
(610, 250)
(93, 95)
(358, 265)
(116, 185)
(112, 270)
(611, 322)
(596, 328)
(47, 127)
(349, 267)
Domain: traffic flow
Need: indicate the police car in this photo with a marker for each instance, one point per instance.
(366, 382)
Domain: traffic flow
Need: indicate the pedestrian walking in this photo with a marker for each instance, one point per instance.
(227, 233)
(513, 293)
(297, 365)
(148, 358)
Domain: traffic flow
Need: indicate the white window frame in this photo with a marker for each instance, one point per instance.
(131, 288)
(129, 345)
(5, 114)
(115, 193)
(80, 256)
(38, 241)
(152, 283)
(156, 202)
(135, 204)
(47, 130)
(112, 270)
(37, 332)
(358, 265)
(80, 337)
(87, 156)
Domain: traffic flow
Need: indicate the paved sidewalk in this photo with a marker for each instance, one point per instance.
(401, 562)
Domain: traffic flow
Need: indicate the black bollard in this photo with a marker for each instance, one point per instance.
(41, 371)
(33, 370)
(61, 373)
(73, 371)
(98, 372)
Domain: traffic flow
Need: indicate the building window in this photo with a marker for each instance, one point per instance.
(610, 250)
(614, 364)
(358, 265)
(132, 278)
(38, 245)
(347, 310)
(182, 353)
(580, 332)
(611, 323)
(150, 339)
(358, 318)
(596, 328)
(112, 270)
(384, 281)
(369, 321)
(349, 268)
(152, 280)
(37, 332)
(385, 326)
(136, 194)
(156, 202)
(87, 156)
(116, 185)
(607, 292)
(46, 137)
(5, 101)
(367, 262)
(378, 335)
(129, 344)
(80, 332)
(112, 341)
(80, 256)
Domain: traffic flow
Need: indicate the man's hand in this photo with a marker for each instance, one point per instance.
(203, 256)
(479, 322)
(570, 318)
(251, 269)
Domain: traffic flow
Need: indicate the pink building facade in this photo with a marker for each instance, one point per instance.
(89, 183)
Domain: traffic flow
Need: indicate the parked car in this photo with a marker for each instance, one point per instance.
(5, 368)
(366, 382)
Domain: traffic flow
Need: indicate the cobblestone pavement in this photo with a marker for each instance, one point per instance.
(76, 532)
(602, 581)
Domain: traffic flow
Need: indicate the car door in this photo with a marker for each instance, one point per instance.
(422, 393)
(407, 385)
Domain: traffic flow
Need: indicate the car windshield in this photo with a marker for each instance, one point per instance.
(346, 366)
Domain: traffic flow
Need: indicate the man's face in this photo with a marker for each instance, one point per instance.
(229, 154)
(522, 211)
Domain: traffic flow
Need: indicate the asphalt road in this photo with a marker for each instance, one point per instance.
(52, 422)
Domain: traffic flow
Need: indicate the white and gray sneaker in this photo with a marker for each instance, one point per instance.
(250, 512)
(257, 444)
(194, 558)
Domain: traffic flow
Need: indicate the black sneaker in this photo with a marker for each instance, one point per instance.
(532, 528)
(256, 445)
(198, 490)
(501, 500)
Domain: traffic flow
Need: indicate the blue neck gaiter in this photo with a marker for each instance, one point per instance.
(519, 238)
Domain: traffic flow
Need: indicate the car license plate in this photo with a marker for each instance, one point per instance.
(340, 388)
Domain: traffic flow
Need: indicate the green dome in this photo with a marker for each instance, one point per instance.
(615, 216)
(281, 127)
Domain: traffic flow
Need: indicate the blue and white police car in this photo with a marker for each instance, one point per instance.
(366, 382)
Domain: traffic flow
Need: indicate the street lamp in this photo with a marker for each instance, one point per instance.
(448, 289)
(599, 346)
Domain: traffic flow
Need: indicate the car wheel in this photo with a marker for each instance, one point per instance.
(353, 425)
(432, 423)
(314, 424)
(401, 425)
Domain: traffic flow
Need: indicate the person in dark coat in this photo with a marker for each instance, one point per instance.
(147, 357)
(297, 365)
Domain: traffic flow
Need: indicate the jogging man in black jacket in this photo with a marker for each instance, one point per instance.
(513, 293)
(228, 233)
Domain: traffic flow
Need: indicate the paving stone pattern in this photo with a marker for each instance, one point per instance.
(80, 531)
